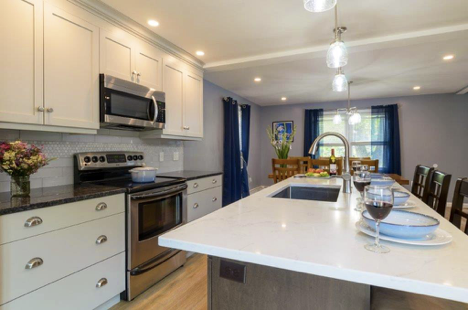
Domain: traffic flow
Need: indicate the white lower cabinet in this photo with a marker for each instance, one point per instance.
(205, 201)
(86, 289)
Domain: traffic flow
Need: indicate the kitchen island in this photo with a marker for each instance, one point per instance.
(286, 244)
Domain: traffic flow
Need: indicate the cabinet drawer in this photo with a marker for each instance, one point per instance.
(79, 290)
(13, 226)
(203, 203)
(202, 184)
(62, 252)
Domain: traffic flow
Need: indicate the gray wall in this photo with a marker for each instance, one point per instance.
(434, 130)
(208, 153)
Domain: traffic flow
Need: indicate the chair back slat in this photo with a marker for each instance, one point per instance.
(284, 169)
(303, 163)
(436, 196)
(421, 179)
(459, 195)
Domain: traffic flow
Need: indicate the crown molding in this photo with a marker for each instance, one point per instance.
(111, 15)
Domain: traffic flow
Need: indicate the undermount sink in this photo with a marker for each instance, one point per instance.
(320, 193)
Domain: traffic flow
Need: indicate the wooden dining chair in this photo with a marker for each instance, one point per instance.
(304, 163)
(284, 169)
(325, 164)
(373, 164)
(457, 213)
(421, 179)
(436, 196)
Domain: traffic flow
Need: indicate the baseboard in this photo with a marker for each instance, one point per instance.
(109, 304)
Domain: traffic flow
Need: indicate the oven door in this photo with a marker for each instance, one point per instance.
(153, 213)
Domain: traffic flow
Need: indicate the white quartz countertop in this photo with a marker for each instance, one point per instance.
(320, 238)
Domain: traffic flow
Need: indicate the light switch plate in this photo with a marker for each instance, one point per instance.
(161, 156)
(176, 156)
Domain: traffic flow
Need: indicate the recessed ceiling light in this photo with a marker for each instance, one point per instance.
(200, 53)
(449, 57)
(284, 98)
(257, 79)
(417, 87)
(153, 23)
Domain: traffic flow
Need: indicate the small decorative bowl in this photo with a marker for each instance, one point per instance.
(399, 197)
(404, 224)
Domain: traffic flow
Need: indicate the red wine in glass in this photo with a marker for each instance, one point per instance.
(378, 209)
(361, 184)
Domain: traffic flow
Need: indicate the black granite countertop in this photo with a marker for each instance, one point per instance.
(190, 174)
(52, 196)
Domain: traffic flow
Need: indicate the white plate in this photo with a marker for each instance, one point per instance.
(406, 205)
(439, 237)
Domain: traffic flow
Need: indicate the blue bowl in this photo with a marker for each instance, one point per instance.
(399, 198)
(404, 224)
(383, 181)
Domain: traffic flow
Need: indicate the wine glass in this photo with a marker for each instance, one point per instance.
(361, 179)
(379, 202)
(356, 165)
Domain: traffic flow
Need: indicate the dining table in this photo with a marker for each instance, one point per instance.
(398, 178)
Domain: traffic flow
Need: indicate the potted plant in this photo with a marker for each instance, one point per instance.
(281, 140)
(20, 160)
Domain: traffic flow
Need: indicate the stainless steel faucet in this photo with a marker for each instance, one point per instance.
(346, 175)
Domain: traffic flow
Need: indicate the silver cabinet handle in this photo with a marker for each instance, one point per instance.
(40, 109)
(185, 127)
(33, 221)
(195, 205)
(50, 110)
(214, 199)
(33, 263)
(101, 239)
(214, 181)
(188, 127)
(195, 185)
(101, 206)
(134, 72)
(138, 74)
(101, 283)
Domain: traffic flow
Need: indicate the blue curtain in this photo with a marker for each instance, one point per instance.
(232, 178)
(313, 127)
(245, 129)
(385, 138)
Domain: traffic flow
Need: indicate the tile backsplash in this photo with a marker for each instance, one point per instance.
(62, 146)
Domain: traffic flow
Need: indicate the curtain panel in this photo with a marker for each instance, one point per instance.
(245, 129)
(313, 127)
(385, 137)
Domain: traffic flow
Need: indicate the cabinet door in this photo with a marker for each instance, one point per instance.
(71, 70)
(173, 86)
(148, 61)
(193, 105)
(117, 52)
(21, 61)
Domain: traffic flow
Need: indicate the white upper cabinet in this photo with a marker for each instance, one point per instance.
(193, 105)
(71, 70)
(21, 61)
(148, 66)
(173, 86)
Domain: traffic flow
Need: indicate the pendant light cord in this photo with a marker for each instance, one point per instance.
(349, 96)
(336, 21)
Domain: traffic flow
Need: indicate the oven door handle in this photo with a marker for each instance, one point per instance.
(156, 112)
(176, 190)
(155, 263)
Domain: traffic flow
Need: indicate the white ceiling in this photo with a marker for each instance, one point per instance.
(393, 45)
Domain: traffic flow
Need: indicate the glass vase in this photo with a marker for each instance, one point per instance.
(20, 186)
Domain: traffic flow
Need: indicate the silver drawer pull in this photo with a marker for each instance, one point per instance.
(101, 283)
(214, 181)
(101, 239)
(195, 205)
(33, 221)
(101, 206)
(214, 199)
(33, 263)
(195, 185)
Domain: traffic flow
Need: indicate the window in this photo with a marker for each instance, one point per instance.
(359, 136)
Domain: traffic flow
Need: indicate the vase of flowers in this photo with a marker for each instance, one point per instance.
(20, 160)
(281, 141)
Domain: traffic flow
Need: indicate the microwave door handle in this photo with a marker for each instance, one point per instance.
(155, 109)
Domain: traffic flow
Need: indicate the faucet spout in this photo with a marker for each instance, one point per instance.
(346, 175)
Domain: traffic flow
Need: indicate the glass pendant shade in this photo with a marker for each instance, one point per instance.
(340, 83)
(337, 55)
(355, 118)
(337, 119)
(319, 5)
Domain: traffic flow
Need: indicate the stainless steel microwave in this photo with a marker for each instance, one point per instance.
(126, 105)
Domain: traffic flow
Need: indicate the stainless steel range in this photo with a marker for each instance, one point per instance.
(152, 209)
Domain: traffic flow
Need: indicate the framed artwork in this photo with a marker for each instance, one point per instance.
(281, 127)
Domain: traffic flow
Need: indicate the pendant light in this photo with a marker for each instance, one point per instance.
(337, 118)
(317, 6)
(337, 54)
(353, 114)
(340, 83)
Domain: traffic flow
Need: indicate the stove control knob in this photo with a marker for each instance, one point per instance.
(102, 159)
(87, 159)
(95, 159)
(135, 157)
(140, 157)
(129, 157)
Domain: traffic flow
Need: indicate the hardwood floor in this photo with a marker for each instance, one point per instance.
(186, 288)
